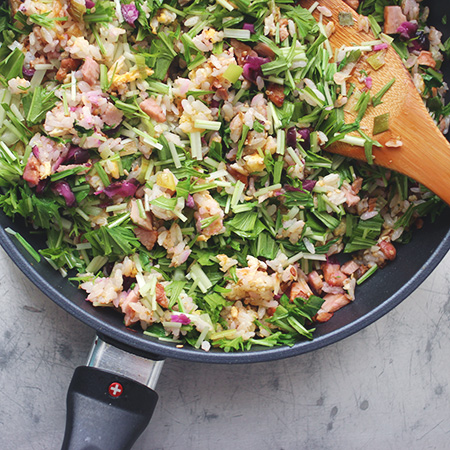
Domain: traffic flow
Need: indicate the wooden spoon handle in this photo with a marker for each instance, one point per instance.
(425, 153)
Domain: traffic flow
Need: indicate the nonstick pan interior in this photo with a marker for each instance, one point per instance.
(378, 295)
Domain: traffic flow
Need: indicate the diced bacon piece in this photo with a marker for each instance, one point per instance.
(350, 198)
(132, 297)
(221, 92)
(426, 59)
(241, 51)
(349, 267)
(147, 238)
(153, 110)
(315, 281)
(419, 223)
(350, 195)
(332, 289)
(161, 297)
(239, 176)
(356, 185)
(275, 92)
(284, 32)
(112, 115)
(372, 203)
(300, 289)
(361, 271)
(333, 275)
(353, 4)
(145, 223)
(388, 250)
(264, 50)
(332, 303)
(393, 18)
(67, 65)
(90, 71)
(208, 207)
(31, 171)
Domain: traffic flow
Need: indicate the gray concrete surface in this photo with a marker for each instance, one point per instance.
(386, 387)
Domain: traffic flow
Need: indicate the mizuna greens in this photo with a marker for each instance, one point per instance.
(172, 155)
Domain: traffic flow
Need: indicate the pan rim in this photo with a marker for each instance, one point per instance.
(139, 342)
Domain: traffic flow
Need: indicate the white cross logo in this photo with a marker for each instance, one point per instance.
(115, 389)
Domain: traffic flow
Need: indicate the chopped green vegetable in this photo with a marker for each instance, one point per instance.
(377, 60)
(233, 73)
(368, 274)
(346, 19)
(376, 99)
(381, 123)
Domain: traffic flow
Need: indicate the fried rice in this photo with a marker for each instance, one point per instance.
(173, 156)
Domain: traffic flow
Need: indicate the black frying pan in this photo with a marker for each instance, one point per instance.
(128, 414)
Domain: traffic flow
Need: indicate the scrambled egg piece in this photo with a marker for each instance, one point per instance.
(127, 77)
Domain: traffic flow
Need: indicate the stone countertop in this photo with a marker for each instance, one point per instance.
(387, 387)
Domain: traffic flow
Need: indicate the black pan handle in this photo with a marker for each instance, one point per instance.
(106, 411)
(111, 400)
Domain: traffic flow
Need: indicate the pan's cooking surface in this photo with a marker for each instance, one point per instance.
(375, 297)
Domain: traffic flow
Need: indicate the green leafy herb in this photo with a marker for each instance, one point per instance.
(44, 21)
(37, 103)
(11, 65)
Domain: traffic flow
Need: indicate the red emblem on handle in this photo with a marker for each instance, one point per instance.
(115, 389)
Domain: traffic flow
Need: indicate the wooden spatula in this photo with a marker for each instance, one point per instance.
(425, 153)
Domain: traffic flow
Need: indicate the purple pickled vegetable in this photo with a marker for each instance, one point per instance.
(77, 155)
(257, 61)
(252, 67)
(308, 185)
(407, 30)
(304, 134)
(332, 259)
(125, 188)
(249, 26)
(215, 103)
(89, 4)
(57, 163)
(127, 282)
(40, 187)
(28, 72)
(107, 269)
(180, 318)
(419, 43)
(250, 73)
(63, 188)
(130, 13)
(290, 188)
(291, 138)
(378, 47)
(414, 46)
(36, 151)
(190, 201)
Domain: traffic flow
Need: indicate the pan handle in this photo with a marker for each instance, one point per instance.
(111, 401)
